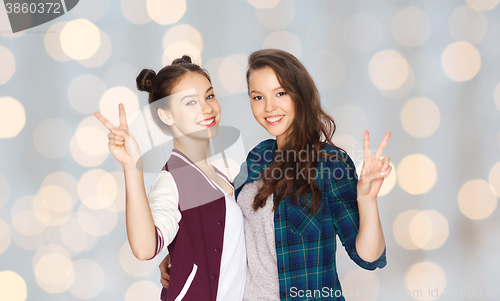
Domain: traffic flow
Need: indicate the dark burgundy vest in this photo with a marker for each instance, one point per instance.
(201, 232)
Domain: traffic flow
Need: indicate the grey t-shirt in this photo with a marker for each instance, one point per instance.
(262, 282)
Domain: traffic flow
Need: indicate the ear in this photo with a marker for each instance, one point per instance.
(165, 116)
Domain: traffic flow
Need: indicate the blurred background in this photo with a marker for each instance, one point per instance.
(428, 71)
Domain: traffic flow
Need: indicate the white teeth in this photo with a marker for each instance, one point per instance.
(274, 119)
(207, 122)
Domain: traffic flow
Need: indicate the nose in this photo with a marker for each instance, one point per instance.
(206, 108)
(270, 104)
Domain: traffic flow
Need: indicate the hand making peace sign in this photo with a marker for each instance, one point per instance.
(374, 170)
(121, 142)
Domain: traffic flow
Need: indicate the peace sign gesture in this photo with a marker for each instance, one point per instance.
(374, 170)
(121, 142)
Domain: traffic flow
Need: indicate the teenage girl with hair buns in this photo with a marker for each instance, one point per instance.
(191, 207)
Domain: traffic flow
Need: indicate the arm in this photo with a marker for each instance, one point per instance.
(370, 242)
(353, 222)
(141, 230)
(140, 226)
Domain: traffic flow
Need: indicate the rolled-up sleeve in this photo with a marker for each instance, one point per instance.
(342, 196)
(163, 201)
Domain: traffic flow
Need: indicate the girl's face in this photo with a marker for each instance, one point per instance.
(194, 110)
(272, 107)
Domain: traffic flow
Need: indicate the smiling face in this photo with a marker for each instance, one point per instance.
(272, 106)
(194, 111)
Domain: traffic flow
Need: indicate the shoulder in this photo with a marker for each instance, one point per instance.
(261, 148)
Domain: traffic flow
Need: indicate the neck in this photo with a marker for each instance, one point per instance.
(197, 150)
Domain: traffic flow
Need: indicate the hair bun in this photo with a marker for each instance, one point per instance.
(185, 59)
(145, 80)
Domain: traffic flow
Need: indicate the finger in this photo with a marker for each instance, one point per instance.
(117, 137)
(115, 142)
(366, 147)
(121, 132)
(387, 172)
(382, 145)
(164, 283)
(385, 163)
(104, 121)
(123, 116)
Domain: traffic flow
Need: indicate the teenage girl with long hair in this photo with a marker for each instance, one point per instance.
(299, 191)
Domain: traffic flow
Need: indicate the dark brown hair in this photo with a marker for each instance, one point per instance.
(310, 125)
(160, 85)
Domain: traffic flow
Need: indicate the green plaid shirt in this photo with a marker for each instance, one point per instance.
(306, 244)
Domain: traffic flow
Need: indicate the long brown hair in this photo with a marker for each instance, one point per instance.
(160, 85)
(309, 126)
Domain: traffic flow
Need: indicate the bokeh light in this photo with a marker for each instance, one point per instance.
(135, 11)
(494, 178)
(213, 66)
(108, 106)
(7, 65)
(483, 4)
(52, 137)
(183, 33)
(416, 174)
(232, 73)
(143, 290)
(411, 26)
(284, 40)
(263, 4)
(496, 96)
(467, 24)
(134, 266)
(119, 202)
(53, 42)
(165, 12)
(74, 237)
(53, 205)
(365, 286)
(12, 117)
(423, 278)
(92, 10)
(4, 236)
(89, 279)
(362, 32)
(12, 286)
(401, 229)
(80, 39)
(178, 49)
(278, 16)
(97, 222)
(477, 199)
(461, 61)
(101, 55)
(4, 190)
(405, 88)
(85, 92)
(420, 117)
(53, 269)
(388, 70)
(97, 189)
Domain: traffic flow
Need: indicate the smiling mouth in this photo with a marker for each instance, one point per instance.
(209, 122)
(273, 120)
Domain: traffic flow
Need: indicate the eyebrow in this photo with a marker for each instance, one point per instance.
(194, 95)
(255, 91)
